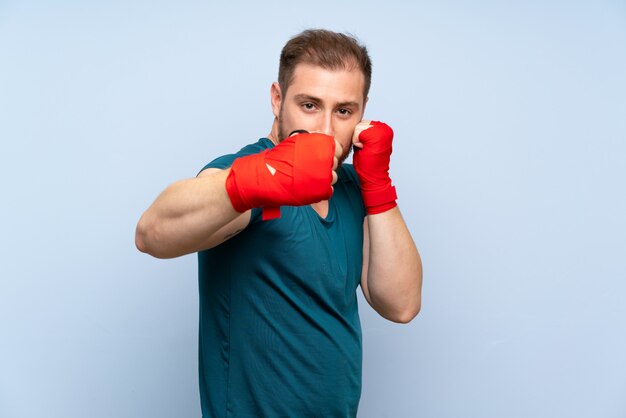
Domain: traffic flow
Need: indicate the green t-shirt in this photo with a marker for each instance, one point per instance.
(280, 334)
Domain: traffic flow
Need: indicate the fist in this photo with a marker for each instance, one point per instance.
(373, 132)
(297, 172)
(336, 157)
(372, 154)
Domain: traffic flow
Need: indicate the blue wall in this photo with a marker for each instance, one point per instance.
(510, 163)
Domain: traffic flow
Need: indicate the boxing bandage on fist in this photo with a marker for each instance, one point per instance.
(296, 172)
(371, 163)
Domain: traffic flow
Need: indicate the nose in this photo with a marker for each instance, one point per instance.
(325, 125)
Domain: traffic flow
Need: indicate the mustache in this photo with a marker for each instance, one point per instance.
(298, 131)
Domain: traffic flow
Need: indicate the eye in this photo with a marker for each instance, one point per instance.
(344, 112)
(308, 106)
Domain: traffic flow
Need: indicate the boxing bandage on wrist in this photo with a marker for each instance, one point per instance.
(380, 201)
(296, 172)
(372, 166)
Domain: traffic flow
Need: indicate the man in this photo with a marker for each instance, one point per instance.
(285, 233)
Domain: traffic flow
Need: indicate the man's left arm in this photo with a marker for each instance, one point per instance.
(392, 269)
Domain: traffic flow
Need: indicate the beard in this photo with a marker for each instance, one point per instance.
(282, 134)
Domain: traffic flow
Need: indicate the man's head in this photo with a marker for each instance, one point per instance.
(326, 49)
(323, 82)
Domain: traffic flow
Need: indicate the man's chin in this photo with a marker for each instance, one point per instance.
(345, 155)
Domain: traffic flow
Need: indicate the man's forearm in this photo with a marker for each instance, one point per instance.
(186, 217)
(394, 276)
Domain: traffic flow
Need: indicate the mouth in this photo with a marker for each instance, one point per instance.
(297, 131)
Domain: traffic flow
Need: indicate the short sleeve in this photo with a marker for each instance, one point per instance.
(226, 161)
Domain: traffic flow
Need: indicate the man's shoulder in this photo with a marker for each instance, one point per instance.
(226, 161)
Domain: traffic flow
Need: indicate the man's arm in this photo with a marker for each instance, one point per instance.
(189, 216)
(392, 269)
(200, 213)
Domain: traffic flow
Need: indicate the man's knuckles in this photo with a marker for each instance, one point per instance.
(360, 127)
(376, 132)
(311, 153)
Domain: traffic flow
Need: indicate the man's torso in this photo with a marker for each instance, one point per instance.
(279, 326)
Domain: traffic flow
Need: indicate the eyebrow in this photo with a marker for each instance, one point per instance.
(307, 97)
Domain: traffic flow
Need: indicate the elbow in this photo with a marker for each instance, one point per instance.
(146, 237)
(141, 237)
(411, 306)
(407, 315)
(401, 312)
(412, 309)
(400, 316)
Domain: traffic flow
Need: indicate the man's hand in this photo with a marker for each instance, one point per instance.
(297, 172)
(372, 142)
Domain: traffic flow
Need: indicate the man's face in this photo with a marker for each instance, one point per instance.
(320, 100)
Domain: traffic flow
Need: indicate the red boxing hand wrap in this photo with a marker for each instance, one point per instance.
(372, 166)
(303, 167)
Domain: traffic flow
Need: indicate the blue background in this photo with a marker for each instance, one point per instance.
(509, 159)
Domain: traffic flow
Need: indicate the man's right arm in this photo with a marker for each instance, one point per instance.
(200, 213)
(189, 216)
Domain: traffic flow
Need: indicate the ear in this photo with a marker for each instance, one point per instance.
(276, 97)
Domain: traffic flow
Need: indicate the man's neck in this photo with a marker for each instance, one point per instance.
(321, 208)
(273, 135)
